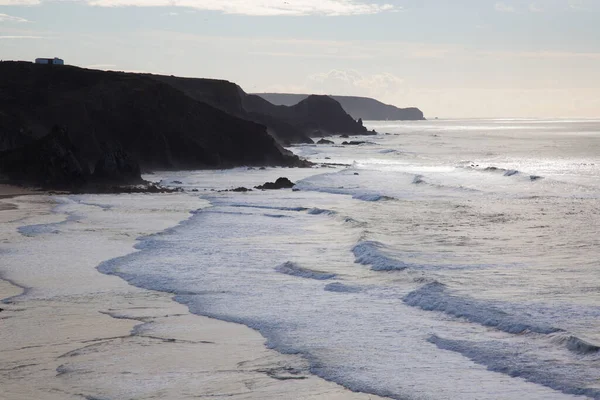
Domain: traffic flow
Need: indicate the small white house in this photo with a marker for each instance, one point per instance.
(51, 61)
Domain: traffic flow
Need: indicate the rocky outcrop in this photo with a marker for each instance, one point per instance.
(325, 115)
(280, 183)
(313, 117)
(358, 107)
(52, 161)
(116, 166)
(325, 141)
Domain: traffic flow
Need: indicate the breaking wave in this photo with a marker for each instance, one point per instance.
(371, 197)
(418, 179)
(269, 207)
(511, 172)
(290, 268)
(370, 253)
(434, 297)
(519, 362)
(320, 211)
(341, 288)
(575, 344)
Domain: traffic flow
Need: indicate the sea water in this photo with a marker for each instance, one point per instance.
(436, 260)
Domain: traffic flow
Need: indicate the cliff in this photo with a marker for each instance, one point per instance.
(51, 161)
(358, 107)
(317, 117)
(158, 125)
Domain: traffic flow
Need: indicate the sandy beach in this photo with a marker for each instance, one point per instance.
(70, 332)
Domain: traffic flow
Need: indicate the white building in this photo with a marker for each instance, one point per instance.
(51, 61)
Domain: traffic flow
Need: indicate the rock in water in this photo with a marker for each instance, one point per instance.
(280, 183)
(353, 143)
(325, 141)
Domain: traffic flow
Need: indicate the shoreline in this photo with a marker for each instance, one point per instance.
(70, 331)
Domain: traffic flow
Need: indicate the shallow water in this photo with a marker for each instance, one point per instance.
(449, 259)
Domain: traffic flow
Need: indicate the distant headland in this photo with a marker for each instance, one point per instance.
(358, 107)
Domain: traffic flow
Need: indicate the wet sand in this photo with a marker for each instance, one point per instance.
(70, 332)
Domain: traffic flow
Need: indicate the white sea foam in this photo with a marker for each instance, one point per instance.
(493, 277)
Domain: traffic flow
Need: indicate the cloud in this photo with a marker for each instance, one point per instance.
(384, 86)
(535, 8)
(252, 7)
(20, 37)
(10, 18)
(503, 7)
(19, 2)
(350, 81)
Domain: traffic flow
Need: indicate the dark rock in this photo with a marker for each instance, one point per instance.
(178, 182)
(52, 161)
(353, 143)
(345, 136)
(313, 116)
(280, 183)
(194, 190)
(356, 173)
(325, 141)
(117, 166)
(262, 168)
(241, 189)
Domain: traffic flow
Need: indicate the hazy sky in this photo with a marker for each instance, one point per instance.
(451, 58)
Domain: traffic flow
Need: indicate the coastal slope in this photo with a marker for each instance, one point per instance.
(358, 107)
(160, 126)
(297, 123)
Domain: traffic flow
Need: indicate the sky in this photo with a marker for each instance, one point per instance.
(450, 58)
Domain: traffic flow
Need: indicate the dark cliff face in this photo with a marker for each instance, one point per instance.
(322, 113)
(319, 116)
(220, 94)
(277, 118)
(51, 161)
(160, 126)
(358, 107)
(371, 109)
(313, 117)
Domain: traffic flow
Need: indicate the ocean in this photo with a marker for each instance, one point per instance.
(455, 259)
